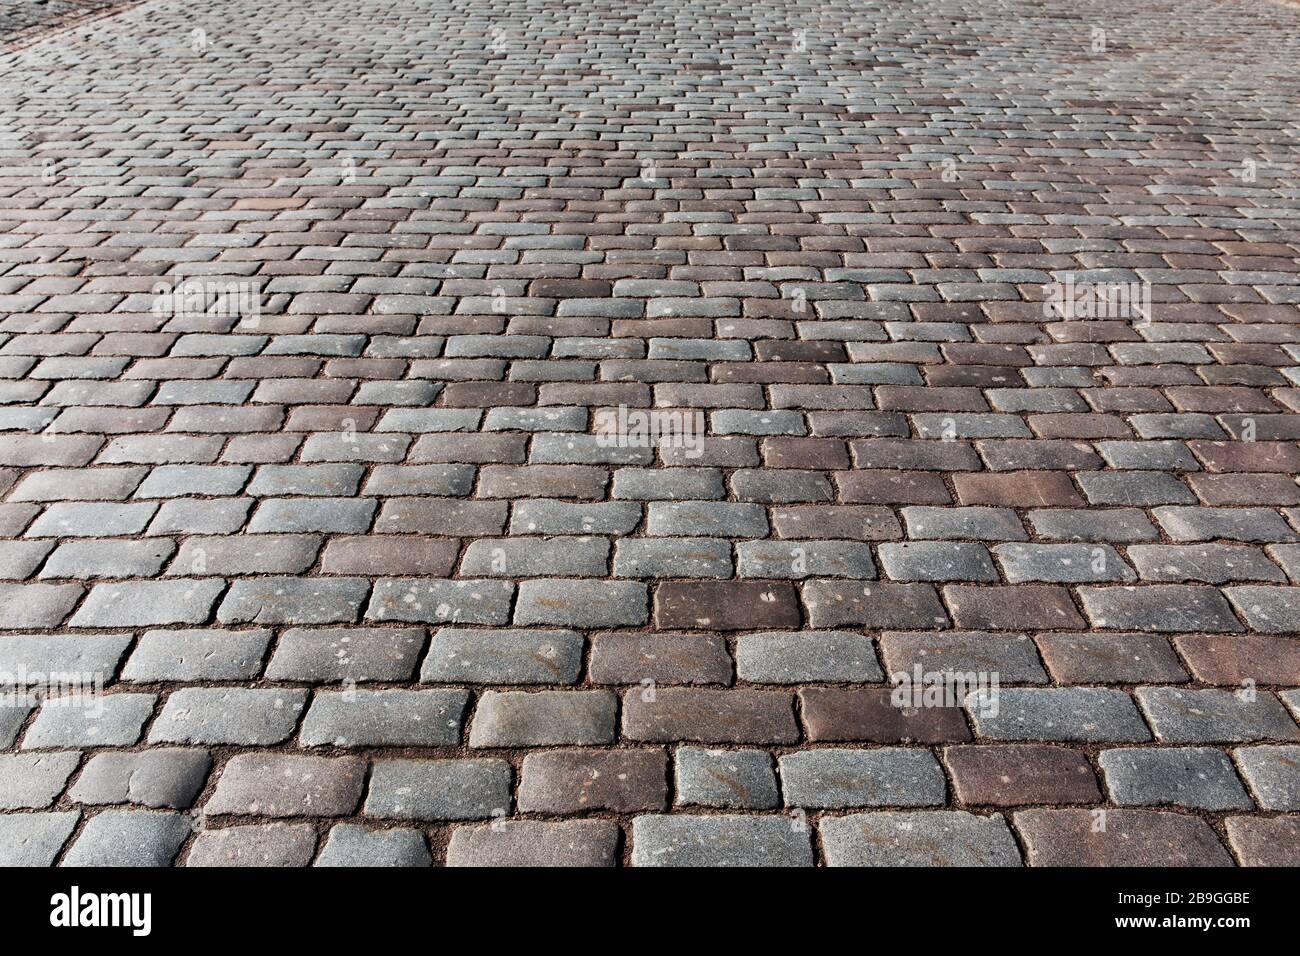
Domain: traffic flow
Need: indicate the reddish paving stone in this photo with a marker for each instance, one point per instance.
(1224, 659)
(725, 605)
(1028, 607)
(1016, 775)
(1110, 659)
(570, 781)
(870, 714)
(739, 716)
(1265, 841)
(659, 658)
(1017, 489)
(1118, 838)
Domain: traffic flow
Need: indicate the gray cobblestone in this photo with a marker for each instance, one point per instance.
(439, 789)
(200, 715)
(384, 718)
(719, 841)
(730, 779)
(1182, 776)
(503, 656)
(862, 778)
(925, 838)
(349, 845)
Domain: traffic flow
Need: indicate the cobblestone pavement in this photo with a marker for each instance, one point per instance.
(330, 333)
(21, 21)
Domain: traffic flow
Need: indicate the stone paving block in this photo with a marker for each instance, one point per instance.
(1062, 563)
(567, 603)
(273, 844)
(211, 715)
(800, 559)
(534, 557)
(571, 781)
(751, 840)
(164, 777)
(32, 781)
(107, 559)
(1210, 563)
(503, 656)
(287, 600)
(834, 604)
(1014, 774)
(1264, 841)
(969, 524)
(1110, 658)
(880, 714)
(796, 657)
(1215, 716)
(659, 659)
(728, 779)
(349, 845)
(149, 603)
(314, 515)
(286, 785)
(703, 715)
(439, 789)
(197, 655)
(1129, 838)
(384, 718)
(1013, 658)
(1198, 777)
(439, 602)
(128, 838)
(532, 843)
(862, 778)
(19, 559)
(674, 557)
(91, 520)
(106, 720)
(1234, 524)
(90, 656)
(34, 839)
(937, 561)
(13, 713)
(1273, 610)
(1159, 607)
(1082, 714)
(25, 606)
(1241, 660)
(1023, 607)
(928, 838)
(1273, 774)
(544, 718)
(725, 605)
(712, 519)
(334, 655)
(1116, 525)
(543, 516)
(200, 516)
(236, 555)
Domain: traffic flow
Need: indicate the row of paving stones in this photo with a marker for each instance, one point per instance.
(503, 718)
(708, 604)
(632, 783)
(567, 781)
(1052, 837)
(534, 656)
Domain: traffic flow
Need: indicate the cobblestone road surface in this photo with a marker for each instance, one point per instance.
(315, 324)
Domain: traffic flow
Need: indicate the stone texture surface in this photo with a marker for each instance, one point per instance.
(584, 420)
(933, 838)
